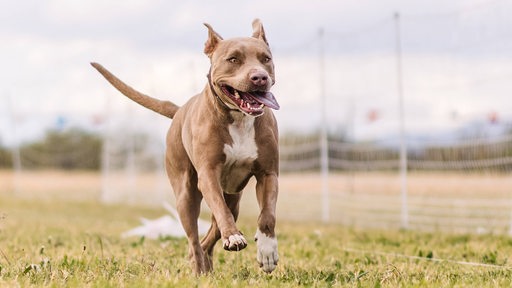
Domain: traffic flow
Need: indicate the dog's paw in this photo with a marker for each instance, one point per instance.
(235, 242)
(267, 251)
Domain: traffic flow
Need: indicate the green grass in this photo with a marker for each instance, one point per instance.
(77, 244)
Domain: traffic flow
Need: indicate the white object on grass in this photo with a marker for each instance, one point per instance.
(167, 225)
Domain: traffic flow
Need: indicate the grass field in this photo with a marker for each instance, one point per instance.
(72, 241)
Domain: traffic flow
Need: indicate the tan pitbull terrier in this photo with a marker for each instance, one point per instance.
(218, 140)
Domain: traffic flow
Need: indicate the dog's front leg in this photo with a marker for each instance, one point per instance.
(208, 183)
(266, 192)
(213, 235)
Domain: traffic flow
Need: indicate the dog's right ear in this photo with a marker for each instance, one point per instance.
(213, 39)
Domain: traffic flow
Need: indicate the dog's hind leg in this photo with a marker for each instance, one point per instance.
(213, 235)
(208, 242)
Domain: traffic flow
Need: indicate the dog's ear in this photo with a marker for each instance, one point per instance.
(213, 39)
(258, 31)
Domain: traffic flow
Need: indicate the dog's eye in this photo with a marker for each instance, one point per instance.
(266, 59)
(233, 60)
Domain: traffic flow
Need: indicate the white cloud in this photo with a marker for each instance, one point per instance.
(83, 12)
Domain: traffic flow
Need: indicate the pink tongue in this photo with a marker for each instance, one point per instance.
(265, 98)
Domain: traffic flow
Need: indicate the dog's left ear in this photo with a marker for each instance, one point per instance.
(258, 31)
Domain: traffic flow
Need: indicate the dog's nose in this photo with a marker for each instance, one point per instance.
(259, 78)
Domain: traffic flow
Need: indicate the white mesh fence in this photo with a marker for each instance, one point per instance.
(458, 186)
(490, 154)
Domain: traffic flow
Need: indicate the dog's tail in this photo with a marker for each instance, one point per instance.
(165, 108)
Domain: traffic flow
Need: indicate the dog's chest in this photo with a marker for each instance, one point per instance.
(240, 154)
(243, 146)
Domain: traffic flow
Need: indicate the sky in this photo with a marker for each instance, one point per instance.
(455, 62)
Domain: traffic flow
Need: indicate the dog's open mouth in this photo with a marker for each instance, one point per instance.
(253, 102)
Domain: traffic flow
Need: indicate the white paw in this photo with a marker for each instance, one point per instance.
(267, 251)
(235, 242)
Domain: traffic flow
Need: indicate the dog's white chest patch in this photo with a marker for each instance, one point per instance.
(240, 154)
(244, 145)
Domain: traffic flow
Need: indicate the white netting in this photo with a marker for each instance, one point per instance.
(490, 154)
(133, 160)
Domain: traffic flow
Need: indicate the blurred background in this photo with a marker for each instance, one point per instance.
(395, 114)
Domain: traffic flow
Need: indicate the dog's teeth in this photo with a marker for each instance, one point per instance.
(237, 96)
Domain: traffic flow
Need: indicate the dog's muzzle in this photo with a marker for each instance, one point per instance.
(253, 102)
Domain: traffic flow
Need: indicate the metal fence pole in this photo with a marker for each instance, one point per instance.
(324, 145)
(16, 153)
(403, 141)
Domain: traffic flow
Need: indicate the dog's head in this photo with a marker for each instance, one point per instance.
(242, 71)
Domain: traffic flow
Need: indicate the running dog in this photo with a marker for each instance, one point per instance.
(220, 139)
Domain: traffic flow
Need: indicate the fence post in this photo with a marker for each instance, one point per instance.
(324, 145)
(16, 153)
(403, 141)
